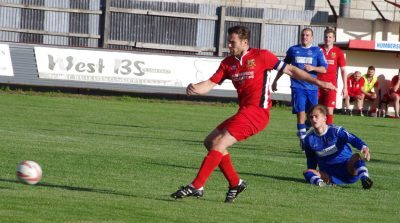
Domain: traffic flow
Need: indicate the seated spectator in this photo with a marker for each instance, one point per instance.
(369, 89)
(394, 93)
(354, 85)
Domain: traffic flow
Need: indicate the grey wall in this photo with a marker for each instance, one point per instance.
(199, 32)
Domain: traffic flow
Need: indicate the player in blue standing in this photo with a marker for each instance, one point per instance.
(304, 95)
(327, 147)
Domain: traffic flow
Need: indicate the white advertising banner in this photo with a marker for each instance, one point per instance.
(124, 68)
(386, 45)
(6, 68)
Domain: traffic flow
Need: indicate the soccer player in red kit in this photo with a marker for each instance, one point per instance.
(394, 94)
(354, 85)
(248, 68)
(335, 58)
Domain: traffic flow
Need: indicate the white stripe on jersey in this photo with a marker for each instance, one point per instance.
(345, 131)
(266, 91)
(280, 66)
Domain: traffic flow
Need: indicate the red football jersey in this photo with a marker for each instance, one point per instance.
(354, 86)
(394, 82)
(249, 76)
(335, 59)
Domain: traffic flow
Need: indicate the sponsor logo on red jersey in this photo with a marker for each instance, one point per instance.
(251, 63)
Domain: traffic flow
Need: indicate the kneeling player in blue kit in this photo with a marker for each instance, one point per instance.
(328, 148)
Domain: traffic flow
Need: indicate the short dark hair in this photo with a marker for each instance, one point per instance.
(371, 68)
(242, 31)
(329, 30)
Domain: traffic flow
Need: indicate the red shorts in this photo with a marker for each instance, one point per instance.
(369, 98)
(327, 98)
(248, 121)
(354, 93)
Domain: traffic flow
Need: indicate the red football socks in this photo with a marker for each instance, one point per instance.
(329, 119)
(229, 172)
(210, 162)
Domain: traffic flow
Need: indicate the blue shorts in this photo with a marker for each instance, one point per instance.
(339, 174)
(303, 100)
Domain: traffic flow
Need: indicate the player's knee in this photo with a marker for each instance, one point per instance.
(222, 150)
(309, 170)
(325, 177)
(356, 156)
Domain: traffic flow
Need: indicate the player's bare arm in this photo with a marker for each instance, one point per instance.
(365, 92)
(397, 85)
(200, 88)
(275, 82)
(369, 94)
(299, 74)
(344, 79)
(320, 69)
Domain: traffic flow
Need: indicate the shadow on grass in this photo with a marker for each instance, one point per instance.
(119, 125)
(87, 189)
(384, 161)
(383, 153)
(152, 138)
(249, 147)
(385, 126)
(145, 127)
(282, 153)
(282, 178)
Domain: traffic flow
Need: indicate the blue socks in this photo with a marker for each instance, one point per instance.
(312, 178)
(301, 132)
(361, 169)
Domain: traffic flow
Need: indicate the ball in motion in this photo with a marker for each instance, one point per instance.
(29, 172)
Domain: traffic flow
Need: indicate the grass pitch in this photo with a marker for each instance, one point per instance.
(118, 159)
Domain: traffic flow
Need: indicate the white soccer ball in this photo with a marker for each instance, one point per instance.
(29, 172)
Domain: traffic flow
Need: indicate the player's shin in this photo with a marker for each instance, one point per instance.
(229, 171)
(301, 133)
(210, 162)
(362, 172)
(361, 169)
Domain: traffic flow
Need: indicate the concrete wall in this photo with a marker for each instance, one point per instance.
(386, 63)
(361, 9)
(348, 28)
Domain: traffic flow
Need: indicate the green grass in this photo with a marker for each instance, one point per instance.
(117, 159)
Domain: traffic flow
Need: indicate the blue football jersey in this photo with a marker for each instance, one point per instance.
(299, 56)
(332, 147)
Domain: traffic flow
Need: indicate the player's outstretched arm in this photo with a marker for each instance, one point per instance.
(299, 74)
(200, 88)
